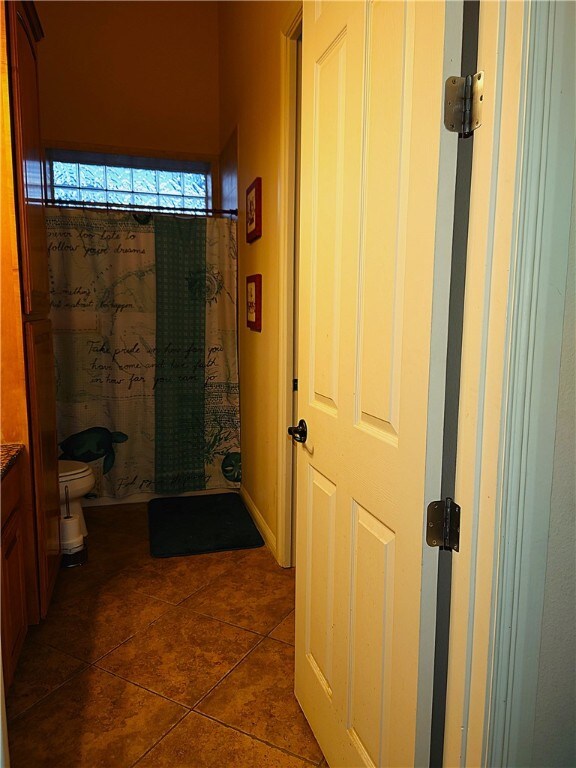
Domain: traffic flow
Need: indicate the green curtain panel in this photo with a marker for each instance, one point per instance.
(180, 354)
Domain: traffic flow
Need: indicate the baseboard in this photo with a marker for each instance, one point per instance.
(259, 521)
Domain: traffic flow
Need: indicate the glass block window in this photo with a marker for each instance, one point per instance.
(144, 183)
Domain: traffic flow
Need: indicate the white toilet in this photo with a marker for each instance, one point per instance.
(79, 479)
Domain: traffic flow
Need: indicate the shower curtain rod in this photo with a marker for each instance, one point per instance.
(138, 208)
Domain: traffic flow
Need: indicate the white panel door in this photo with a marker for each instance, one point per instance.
(371, 124)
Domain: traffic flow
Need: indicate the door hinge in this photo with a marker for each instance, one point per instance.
(294, 385)
(443, 524)
(463, 98)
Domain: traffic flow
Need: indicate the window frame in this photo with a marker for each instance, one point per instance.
(132, 162)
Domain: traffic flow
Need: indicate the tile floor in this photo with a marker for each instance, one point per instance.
(161, 663)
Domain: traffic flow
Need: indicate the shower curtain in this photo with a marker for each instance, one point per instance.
(144, 314)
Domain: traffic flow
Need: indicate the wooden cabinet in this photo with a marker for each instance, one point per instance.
(14, 614)
(25, 32)
(28, 392)
(42, 409)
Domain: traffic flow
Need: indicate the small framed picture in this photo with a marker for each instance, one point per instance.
(254, 210)
(254, 302)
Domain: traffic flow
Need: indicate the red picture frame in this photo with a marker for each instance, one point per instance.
(254, 302)
(254, 211)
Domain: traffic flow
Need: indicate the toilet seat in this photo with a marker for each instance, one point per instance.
(72, 470)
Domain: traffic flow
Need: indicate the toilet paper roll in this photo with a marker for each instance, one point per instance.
(71, 537)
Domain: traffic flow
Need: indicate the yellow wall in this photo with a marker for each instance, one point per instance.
(130, 75)
(250, 85)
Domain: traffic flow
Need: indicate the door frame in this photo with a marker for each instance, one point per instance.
(286, 283)
(506, 418)
(453, 32)
(534, 340)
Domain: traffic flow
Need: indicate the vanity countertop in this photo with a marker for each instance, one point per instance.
(9, 452)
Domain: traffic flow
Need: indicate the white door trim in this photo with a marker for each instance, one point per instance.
(482, 375)
(437, 384)
(499, 369)
(286, 207)
(538, 284)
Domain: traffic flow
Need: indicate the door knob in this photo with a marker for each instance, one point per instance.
(300, 432)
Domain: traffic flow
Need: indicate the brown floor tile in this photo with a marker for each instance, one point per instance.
(72, 582)
(173, 579)
(97, 621)
(121, 518)
(259, 557)
(119, 604)
(257, 697)
(40, 670)
(118, 533)
(95, 720)
(285, 630)
(256, 597)
(108, 555)
(198, 742)
(181, 656)
(127, 551)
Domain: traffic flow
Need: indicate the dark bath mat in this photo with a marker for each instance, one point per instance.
(195, 525)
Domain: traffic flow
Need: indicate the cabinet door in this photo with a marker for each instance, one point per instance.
(14, 619)
(44, 454)
(24, 32)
